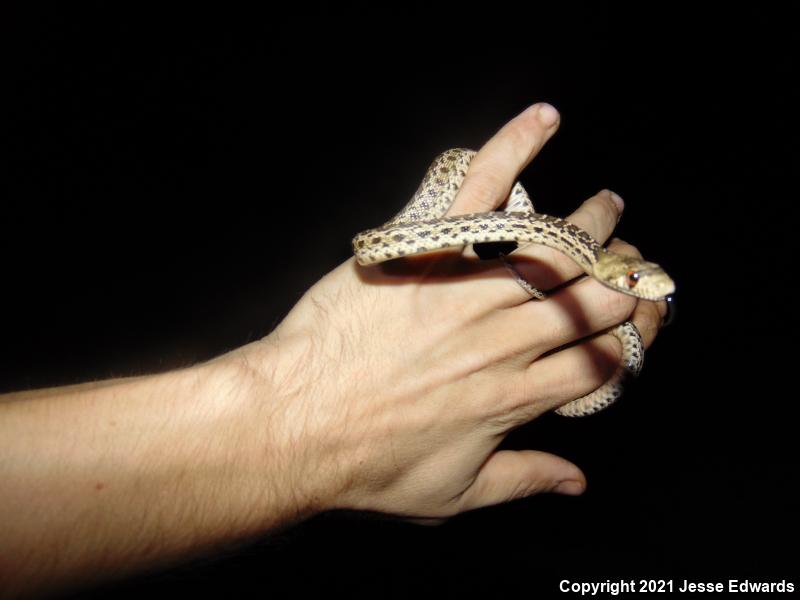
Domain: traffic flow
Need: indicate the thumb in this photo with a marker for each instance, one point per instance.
(509, 474)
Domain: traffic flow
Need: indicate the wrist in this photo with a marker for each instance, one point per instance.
(289, 421)
(273, 446)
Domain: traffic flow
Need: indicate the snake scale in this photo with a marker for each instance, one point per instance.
(421, 226)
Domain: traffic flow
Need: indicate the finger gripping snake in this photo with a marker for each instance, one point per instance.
(421, 226)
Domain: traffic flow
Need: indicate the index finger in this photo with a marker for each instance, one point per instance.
(495, 167)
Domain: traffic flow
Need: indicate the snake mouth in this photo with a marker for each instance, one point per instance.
(661, 286)
(658, 295)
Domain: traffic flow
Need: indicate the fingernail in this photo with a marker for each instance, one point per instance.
(618, 201)
(569, 487)
(547, 115)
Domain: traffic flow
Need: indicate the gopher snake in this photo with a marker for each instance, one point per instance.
(422, 227)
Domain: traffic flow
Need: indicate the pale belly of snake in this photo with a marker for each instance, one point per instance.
(422, 227)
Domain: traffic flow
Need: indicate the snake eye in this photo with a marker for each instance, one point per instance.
(632, 278)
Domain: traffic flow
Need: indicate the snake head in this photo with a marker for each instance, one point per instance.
(633, 276)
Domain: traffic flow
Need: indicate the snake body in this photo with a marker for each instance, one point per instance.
(421, 226)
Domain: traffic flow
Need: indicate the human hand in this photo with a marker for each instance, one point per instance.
(391, 386)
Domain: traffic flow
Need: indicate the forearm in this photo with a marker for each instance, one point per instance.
(103, 479)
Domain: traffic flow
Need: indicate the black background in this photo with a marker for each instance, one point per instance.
(157, 157)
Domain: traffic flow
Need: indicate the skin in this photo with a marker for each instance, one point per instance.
(386, 388)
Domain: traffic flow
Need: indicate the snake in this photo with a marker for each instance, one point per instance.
(421, 226)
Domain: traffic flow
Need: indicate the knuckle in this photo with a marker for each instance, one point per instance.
(523, 489)
(556, 332)
(663, 309)
(607, 355)
(589, 370)
(516, 395)
(603, 356)
(617, 306)
(525, 133)
(517, 404)
(623, 247)
(484, 189)
(597, 215)
(571, 386)
(607, 210)
(648, 321)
